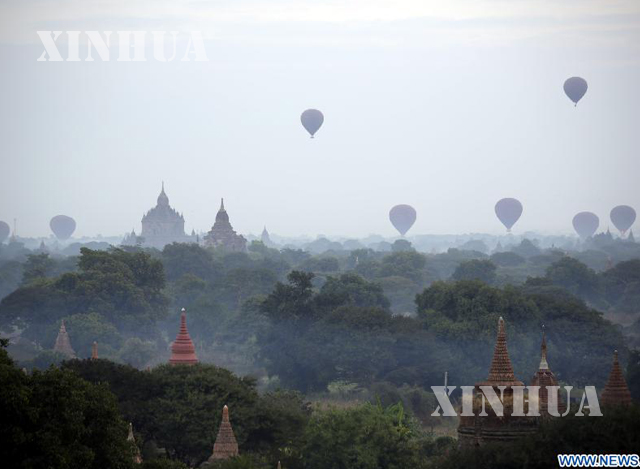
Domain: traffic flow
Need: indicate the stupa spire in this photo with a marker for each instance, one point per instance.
(616, 392)
(137, 458)
(94, 350)
(226, 445)
(182, 349)
(63, 344)
(501, 370)
(222, 204)
(543, 352)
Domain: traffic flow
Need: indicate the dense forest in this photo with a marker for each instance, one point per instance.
(323, 357)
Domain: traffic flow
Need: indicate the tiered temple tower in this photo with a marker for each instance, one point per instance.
(63, 344)
(182, 350)
(476, 430)
(616, 392)
(544, 377)
(225, 446)
(222, 234)
(162, 225)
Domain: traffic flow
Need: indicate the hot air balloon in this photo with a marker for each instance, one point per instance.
(5, 231)
(508, 212)
(623, 217)
(402, 218)
(586, 224)
(312, 120)
(62, 226)
(575, 88)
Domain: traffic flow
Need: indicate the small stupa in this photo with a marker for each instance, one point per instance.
(226, 445)
(616, 392)
(63, 344)
(182, 350)
(137, 458)
(544, 378)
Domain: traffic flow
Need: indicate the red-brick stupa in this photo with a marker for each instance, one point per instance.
(182, 350)
(616, 392)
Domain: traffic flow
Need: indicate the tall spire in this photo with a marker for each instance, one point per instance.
(222, 204)
(182, 349)
(501, 371)
(225, 446)
(163, 200)
(543, 352)
(545, 378)
(616, 392)
(94, 350)
(63, 344)
(137, 458)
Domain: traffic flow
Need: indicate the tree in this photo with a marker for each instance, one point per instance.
(507, 259)
(575, 277)
(364, 437)
(125, 288)
(482, 270)
(180, 259)
(55, 419)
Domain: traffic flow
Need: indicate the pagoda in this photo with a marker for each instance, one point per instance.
(222, 234)
(137, 457)
(225, 446)
(182, 350)
(616, 392)
(544, 378)
(265, 238)
(63, 344)
(476, 430)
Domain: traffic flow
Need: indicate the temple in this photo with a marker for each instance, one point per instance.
(162, 225)
(182, 350)
(616, 392)
(225, 446)
(544, 377)
(222, 234)
(478, 429)
(63, 344)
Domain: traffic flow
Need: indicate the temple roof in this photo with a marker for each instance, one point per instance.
(222, 215)
(225, 445)
(63, 344)
(162, 198)
(501, 371)
(182, 349)
(616, 391)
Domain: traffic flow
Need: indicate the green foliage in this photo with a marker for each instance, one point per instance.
(180, 407)
(367, 436)
(124, 288)
(633, 374)
(137, 352)
(507, 259)
(55, 419)
(482, 270)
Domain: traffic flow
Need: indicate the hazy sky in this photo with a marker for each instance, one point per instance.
(444, 105)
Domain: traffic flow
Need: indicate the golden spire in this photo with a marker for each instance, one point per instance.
(543, 352)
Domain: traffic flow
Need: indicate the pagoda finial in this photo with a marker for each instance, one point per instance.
(137, 458)
(616, 391)
(94, 350)
(222, 204)
(279, 467)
